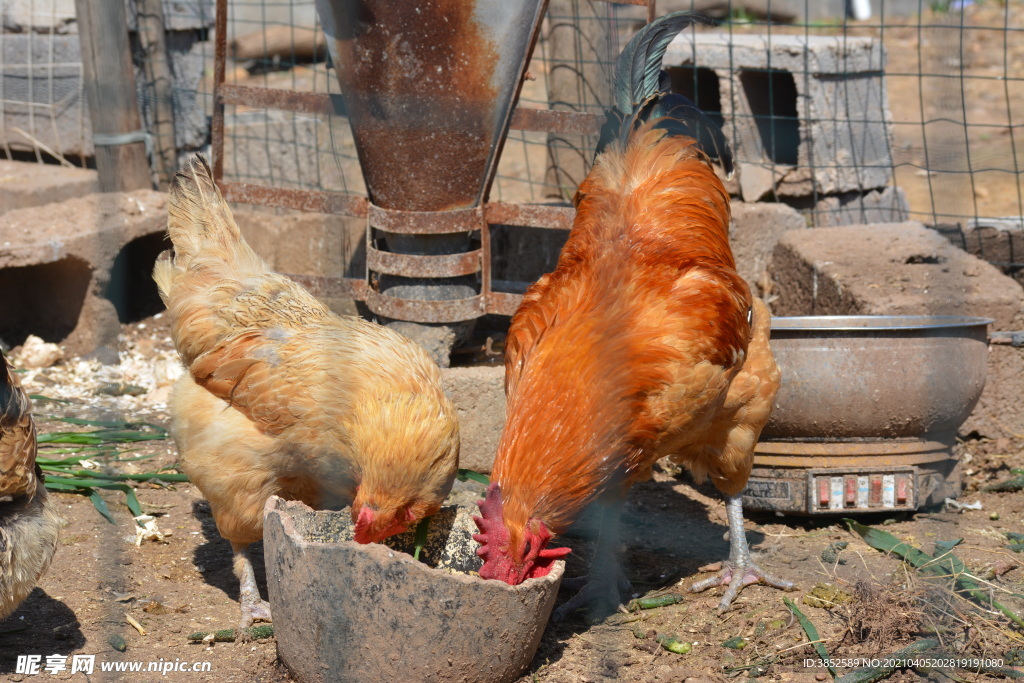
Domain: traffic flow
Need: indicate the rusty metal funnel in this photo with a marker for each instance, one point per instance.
(429, 87)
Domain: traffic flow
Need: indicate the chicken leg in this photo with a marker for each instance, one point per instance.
(253, 607)
(602, 589)
(740, 570)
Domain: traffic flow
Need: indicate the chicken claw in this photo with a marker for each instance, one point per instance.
(740, 570)
(253, 607)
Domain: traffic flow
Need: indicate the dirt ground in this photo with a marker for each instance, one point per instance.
(184, 584)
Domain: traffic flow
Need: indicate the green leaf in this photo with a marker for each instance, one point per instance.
(810, 632)
(40, 397)
(465, 474)
(100, 505)
(421, 536)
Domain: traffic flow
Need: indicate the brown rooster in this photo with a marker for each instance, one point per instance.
(28, 523)
(643, 343)
(283, 397)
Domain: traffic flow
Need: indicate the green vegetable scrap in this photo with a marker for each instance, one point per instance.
(66, 474)
(735, 643)
(229, 635)
(653, 602)
(673, 644)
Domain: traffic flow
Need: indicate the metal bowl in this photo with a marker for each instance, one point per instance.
(871, 377)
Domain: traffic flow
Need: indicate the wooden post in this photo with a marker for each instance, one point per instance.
(110, 89)
(152, 40)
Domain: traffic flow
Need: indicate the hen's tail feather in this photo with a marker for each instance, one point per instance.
(198, 218)
(642, 91)
(638, 70)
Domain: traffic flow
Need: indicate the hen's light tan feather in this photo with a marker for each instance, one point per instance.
(282, 395)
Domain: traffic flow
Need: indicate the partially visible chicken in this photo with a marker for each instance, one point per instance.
(643, 343)
(28, 524)
(284, 397)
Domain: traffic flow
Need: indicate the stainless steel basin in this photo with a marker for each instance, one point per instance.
(876, 377)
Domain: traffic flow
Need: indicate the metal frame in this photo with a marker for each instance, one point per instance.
(549, 216)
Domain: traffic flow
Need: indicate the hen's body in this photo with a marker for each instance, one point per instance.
(643, 343)
(28, 523)
(283, 397)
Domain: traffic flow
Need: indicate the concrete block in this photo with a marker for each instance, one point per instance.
(755, 230)
(308, 244)
(179, 15)
(188, 57)
(907, 269)
(43, 97)
(884, 205)
(479, 396)
(65, 261)
(1000, 241)
(40, 16)
(280, 149)
(805, 114)
(24, 184)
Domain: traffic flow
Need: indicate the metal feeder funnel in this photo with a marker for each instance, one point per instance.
(429, 88)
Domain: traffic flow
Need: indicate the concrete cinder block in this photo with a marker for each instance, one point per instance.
(179, 15)
(1000, 241)
(61, 258)
(24, 184)
(884, 205)
(280, 149)
(907, 269)
(187, 55)
(41, 16)
(43, 95)
(45, 101)
(755, 230)
(812, 109)
(479, 397)
(308, 244)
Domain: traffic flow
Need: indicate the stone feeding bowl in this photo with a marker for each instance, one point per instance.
(350, 612)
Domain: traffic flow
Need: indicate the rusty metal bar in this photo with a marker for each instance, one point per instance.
(537, 120)
(275, 98)
(220, 57)
(503, 303)
(407, 265)
(551, 216)
(420, 311)
(303, 200)
(426, 222)
(551, 121)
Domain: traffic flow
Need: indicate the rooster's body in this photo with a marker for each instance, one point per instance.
(643, 343)
(283, 397)
(28, 523)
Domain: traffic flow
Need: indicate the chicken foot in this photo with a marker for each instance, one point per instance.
(602, 589)
(740, 570)
(253, 607)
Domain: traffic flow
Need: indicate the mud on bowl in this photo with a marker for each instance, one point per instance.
(350, 612)
(867, 414)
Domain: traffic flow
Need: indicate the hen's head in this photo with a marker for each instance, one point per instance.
(514, 554)
(373, 524)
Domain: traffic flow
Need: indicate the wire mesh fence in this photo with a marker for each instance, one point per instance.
(908, 113)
